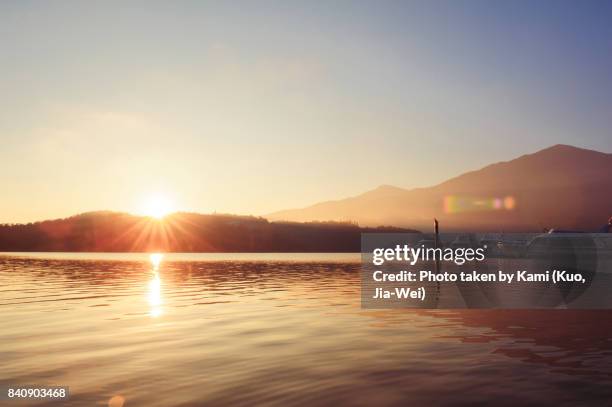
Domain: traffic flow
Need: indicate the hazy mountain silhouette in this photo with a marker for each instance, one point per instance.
(181, 232)
(561, 186)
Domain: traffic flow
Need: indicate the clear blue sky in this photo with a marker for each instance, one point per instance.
(251, 107)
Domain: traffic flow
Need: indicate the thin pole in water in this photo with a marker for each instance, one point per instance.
(436, 233)
(436, 245)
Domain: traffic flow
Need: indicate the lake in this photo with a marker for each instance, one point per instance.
(278, 330)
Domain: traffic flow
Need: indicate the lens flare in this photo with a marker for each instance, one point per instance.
(116, 401)
(458, 204)
(509, 203)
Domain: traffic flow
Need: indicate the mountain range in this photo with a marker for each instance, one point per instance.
(561, 187)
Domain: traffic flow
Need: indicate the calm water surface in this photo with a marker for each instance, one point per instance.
(192, 330)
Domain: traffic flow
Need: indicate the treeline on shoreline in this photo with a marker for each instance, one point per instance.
(181, 232)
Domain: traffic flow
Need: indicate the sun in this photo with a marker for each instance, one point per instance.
(157, 206)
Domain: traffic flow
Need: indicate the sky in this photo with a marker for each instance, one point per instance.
(250, 107)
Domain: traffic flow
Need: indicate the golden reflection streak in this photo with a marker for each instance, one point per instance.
(154, 292)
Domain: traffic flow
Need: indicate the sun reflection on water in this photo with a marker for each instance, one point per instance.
(154, 292)
(156, 259)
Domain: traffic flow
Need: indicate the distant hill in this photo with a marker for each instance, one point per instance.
(561, 186)
(181, 232)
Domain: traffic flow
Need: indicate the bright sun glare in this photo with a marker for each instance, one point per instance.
(157, 206)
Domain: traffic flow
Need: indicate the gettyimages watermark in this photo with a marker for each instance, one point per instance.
(471, 270)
